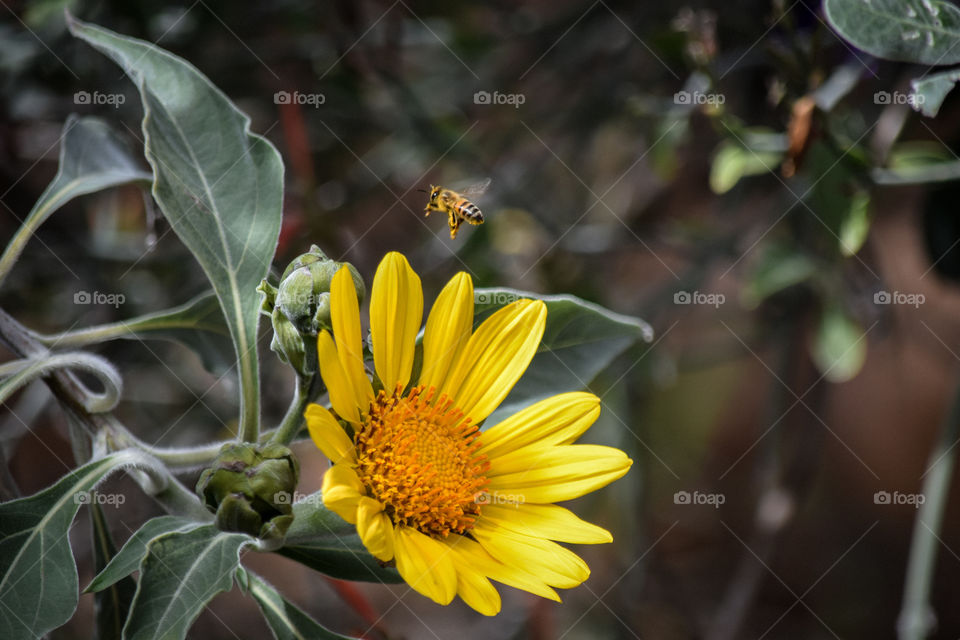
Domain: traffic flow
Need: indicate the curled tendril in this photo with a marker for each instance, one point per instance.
(20, 372)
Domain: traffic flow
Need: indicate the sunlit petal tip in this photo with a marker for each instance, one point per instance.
(477, 592)
(328, 435)
(396, 312)
(425, 564)
(548, 521)
(560, 419)
(554, 564)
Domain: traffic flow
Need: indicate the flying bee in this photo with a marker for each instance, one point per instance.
(456, 205)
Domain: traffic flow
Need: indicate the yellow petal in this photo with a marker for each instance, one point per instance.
(495, 357)
(396, 311)
(557, 420)
(342, 491)
(448, 329)
(545, 521)
(471, 553)
(328, 435)
(342, 396)
(553, 474)
(557, 566)
(425, 564)
(345, 319)
(477, 591)
(375, 528)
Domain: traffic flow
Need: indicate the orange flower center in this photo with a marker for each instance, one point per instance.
(419, 459)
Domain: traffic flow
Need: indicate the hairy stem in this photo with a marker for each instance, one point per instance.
(293, 420)
(73, 397)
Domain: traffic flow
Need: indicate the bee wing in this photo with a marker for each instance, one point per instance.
(476, 189)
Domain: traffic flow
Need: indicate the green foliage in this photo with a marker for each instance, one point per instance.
(179, 575)
(921, 31)
(286, 620)
(840, 347)
(219, 186)
(38, 587)
(92, 158)
(112, 604)
(929, 92)
(197, 324)
(733, 161)
(925, 32)
(127, 560)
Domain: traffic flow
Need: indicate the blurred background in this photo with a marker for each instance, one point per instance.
(714, 169)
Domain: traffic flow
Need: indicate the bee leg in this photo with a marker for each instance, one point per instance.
(454, 223)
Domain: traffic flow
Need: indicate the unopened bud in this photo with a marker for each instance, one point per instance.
(300, 306)
(246, 485)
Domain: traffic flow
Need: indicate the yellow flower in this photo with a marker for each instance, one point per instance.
(454, 506)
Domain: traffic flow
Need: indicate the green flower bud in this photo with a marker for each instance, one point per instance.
(290, 345)
(249, 488)
(299, 307)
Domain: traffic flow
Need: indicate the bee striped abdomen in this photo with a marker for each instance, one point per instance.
(469, 211)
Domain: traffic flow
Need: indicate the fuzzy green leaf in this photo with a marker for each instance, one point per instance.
(219, 185)
(920, 31)
(128, 559)
(92, 158)
(929, 92)
(38, 587)
(198, 324)
(180, 573)
(286, 620)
